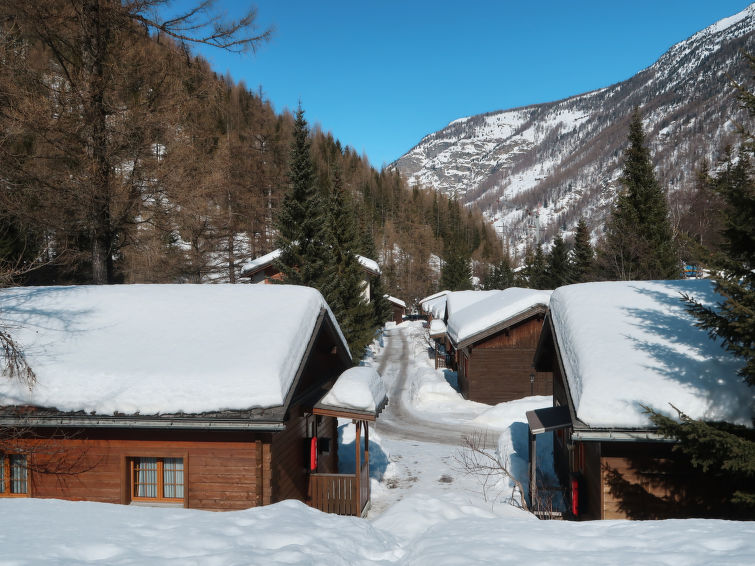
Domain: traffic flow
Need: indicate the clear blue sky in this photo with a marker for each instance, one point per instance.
(381, 74)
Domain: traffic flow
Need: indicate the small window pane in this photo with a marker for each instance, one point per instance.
(145, 477)
(18, 483)
(173, 478)
(2, 473)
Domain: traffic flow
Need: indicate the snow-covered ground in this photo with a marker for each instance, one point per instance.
(426, 510)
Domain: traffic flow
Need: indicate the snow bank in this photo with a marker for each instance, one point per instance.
(159, 348)
(495, 308)
(359, 388)
(419, 530)
(625, 344)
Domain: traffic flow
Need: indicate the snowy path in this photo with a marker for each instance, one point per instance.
(421, 456)
(397, 421)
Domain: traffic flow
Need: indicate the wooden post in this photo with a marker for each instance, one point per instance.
(533, 470)
(366, 466)
(357, 511)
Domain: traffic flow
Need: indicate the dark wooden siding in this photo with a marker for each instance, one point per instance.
(221, 469)
(499, 366)
(587, 467)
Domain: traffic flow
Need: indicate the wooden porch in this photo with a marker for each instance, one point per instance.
(345, 494)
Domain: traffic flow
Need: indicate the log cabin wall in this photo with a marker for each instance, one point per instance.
(499, 367)
(222, 470)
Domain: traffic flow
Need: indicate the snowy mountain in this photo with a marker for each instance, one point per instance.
(535, 170)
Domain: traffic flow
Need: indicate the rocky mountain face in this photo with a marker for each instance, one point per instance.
(535, 170)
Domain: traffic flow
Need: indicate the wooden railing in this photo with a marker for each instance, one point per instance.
(334, 493)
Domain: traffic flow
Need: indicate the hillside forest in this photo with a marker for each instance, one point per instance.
(125, 158)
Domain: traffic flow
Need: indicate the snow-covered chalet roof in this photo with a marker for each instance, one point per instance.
(154, 349)
(435, 304)
(628, 343)
(458, 300)
(493, 310)
(253, 266)
(359, 388)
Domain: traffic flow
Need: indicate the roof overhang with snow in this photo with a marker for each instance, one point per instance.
(359, 393)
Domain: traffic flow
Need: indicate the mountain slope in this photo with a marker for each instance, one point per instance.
(535, 170)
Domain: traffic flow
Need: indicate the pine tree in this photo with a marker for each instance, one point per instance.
(558, 266)
(583, 256)
(537, 277)
(724, 457)
(301, 219)
(456, 273)
(500, 276)
(638, 241)
(343, 282)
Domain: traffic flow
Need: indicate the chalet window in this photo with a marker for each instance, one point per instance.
(157, 479)
(13, 475)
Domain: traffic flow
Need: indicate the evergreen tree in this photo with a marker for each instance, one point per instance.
(456, 273)
(582, 255)
(301, 220)
(537, 277)
(558, 266)
(343, 283)
(500, 276)
(638, 241)
(724, 457)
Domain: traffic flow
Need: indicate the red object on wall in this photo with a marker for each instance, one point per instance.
(313, 454)
(575, 497)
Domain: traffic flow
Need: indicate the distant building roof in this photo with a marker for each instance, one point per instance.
(395, 301)
(435, 304)
(255, 265)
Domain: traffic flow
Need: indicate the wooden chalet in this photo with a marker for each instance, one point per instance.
(263, 270)
(398, 309)
(494, 340)
(200, 396)
(614, 348)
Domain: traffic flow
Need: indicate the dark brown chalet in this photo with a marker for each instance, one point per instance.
(613, 348)
(398, 309)
(200, 396)
(494, 342)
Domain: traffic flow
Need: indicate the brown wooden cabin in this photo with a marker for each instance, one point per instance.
(224, 460)
(616, 472)
(398, 309)
(263, 270)
(495, 362)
